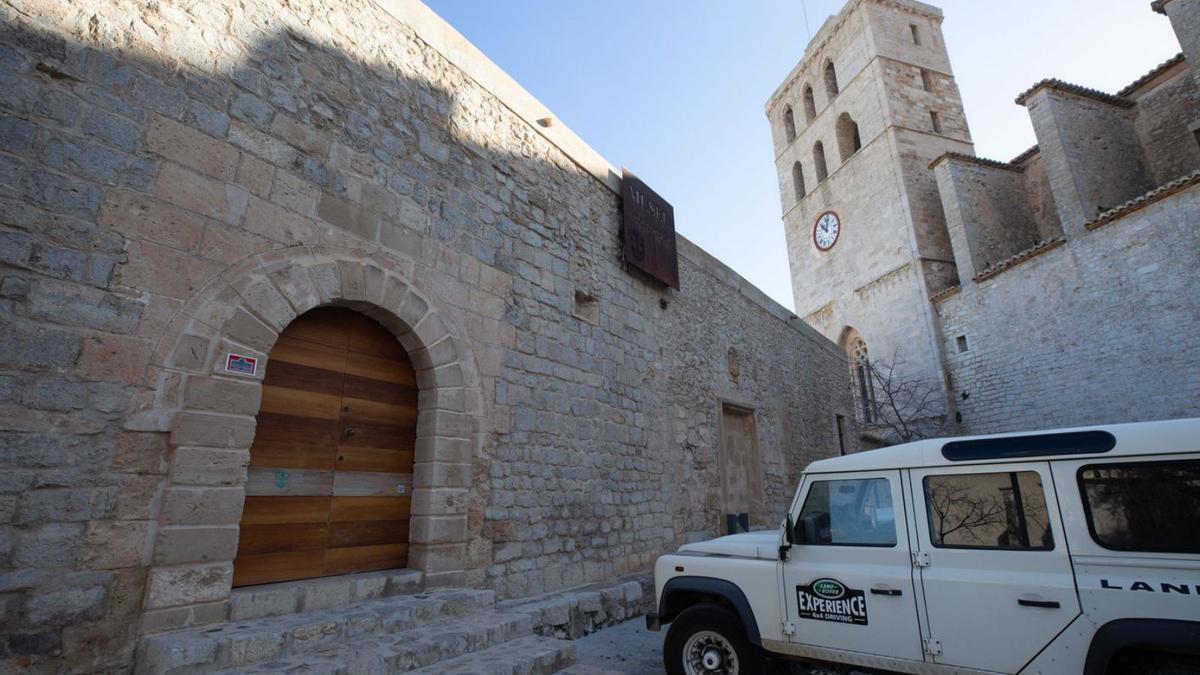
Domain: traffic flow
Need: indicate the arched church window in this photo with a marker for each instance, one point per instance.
(849, 141)
(831, 83)
(798, 181)
(819, 160)
(789, 124)
(810, 104)
(860, 364)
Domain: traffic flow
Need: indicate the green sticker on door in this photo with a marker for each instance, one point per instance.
(831, 600)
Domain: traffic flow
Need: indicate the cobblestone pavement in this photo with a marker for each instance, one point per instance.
(630, 649)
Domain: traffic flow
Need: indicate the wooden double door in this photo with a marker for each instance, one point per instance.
(328, 490)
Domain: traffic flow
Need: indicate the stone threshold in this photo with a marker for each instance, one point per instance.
(310, 595)
(573, 613)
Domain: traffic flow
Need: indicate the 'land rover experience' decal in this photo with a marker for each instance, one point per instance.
(831, 600)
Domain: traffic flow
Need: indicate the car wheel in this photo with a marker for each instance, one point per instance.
(710, 640)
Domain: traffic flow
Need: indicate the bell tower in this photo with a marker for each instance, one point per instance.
(855, 126)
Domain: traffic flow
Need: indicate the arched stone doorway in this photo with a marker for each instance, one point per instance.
(329, 485)
(210, 414)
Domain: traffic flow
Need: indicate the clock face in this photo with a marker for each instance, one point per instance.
(826, 230)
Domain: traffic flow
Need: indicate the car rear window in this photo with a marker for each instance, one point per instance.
(1143, 506)
(988, 511)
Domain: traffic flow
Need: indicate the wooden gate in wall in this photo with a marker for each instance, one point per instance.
(330, 475)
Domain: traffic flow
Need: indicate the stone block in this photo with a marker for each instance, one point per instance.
(195, 544)
(113, 130)
(206, 466)
(222, 395)
(200, 194)
(307, 139)
(191, 148)
(65, 606)
(188, 584)
(255, 175)
(202, 506)
(440, 501)
(404, 582)
(66, 504)
(34, 347)
(212, 122)
(61, 194)
(212, 430)
(437, 559)
(165, 271)
(139, 497)
(252, 110)
(175, 653)
(262, 601)
(327, 593)
(278, 224)
(49, 546)
(295, 193)
(115, 544)
(107, 356)
(82, 158)
(141, 452)
(438, 529)
(54, 393)
(73, 304)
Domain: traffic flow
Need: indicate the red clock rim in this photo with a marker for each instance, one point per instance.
(814, 229)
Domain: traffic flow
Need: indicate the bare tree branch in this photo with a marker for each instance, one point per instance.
(907, 409)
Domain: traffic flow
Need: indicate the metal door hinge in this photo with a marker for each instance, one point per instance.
(920, 559)
(789, 628)
(933, 647)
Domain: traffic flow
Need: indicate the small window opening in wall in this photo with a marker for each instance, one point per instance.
(926, 80)
(841, 429)
(1196, 135)
(916, 33)
(587, 308)
(937, 121)
(961, 341)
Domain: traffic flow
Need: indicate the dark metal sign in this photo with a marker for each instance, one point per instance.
(648, 228)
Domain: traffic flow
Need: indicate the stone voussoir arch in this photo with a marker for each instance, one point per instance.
(210, 414)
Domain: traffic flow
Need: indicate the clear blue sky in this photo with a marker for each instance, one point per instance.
(674, 89)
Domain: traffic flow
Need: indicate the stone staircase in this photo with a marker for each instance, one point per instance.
(379, 623)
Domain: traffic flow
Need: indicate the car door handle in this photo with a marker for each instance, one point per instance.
(884, 590)
(1029, 602)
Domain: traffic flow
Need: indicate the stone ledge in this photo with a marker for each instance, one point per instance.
(1014, 260)
(1076, 89)
(575, 613)
(1158, 193)
(971, 159)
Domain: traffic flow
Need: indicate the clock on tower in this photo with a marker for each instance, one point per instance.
(826, 230)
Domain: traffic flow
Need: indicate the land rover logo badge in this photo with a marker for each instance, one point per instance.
(831, 600)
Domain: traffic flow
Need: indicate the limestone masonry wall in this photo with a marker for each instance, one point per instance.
(178, 180)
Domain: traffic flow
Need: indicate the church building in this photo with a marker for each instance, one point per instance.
(1055, 289)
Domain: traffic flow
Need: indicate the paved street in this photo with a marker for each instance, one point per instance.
(630, 649)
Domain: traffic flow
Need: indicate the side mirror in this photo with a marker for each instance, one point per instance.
(788, 537)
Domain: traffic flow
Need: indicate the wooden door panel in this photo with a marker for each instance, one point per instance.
(288, 375)
(280, 510)
(274, 482)
(298, 403)
(273, 567)
(370, 533)
(350, 458)
(364, 558)
(331, 465)
(371, 484)
(349, 509)
(286, 538)
(377, 368)
(292, 455)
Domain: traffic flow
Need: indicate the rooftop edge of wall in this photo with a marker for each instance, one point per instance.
(443, 38)
(831, 26)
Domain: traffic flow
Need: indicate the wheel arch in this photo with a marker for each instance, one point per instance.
(679, 593)
(1169, 636)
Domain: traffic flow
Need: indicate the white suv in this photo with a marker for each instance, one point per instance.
(1073, 551)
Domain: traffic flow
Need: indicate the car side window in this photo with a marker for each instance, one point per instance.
(1143, 506)
(854, 512)
(988, 510)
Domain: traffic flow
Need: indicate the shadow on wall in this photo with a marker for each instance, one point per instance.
(130, 180)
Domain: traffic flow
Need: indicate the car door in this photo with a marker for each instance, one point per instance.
(996, 573)
(848, 581)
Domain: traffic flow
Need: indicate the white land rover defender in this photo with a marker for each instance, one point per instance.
(1064, 552)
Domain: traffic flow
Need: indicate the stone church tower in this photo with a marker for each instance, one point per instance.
(855, 125)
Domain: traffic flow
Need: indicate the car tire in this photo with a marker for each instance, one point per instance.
(710, 640)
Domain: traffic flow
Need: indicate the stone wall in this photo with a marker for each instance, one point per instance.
(1097, 331)
(180, 180)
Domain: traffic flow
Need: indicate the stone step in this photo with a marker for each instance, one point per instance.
(243, 643)
(432, 648)
(292, 597)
